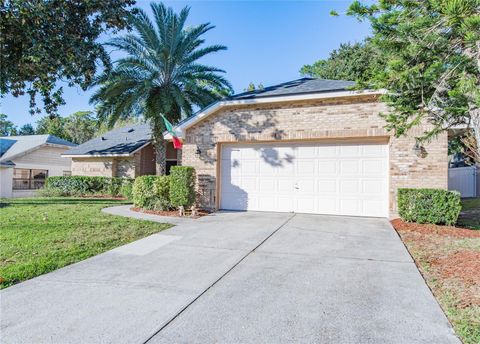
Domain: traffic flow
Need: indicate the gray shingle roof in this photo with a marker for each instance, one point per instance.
(300, 86)
(11, 146)
(118, 141)
(8, 163)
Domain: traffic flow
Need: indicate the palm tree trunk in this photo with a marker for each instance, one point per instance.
(160, 146)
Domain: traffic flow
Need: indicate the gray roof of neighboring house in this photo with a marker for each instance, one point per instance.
(122, 141)
(8, 163)
(300, 86)
(11, 146)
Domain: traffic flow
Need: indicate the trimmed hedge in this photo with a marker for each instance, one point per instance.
(85, 185)
(429, 206)
(182, 186)
(152, 192)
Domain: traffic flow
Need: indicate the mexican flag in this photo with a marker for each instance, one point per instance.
(177, 143)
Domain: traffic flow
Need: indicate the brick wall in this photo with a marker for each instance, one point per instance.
(93, 167)
(355, 117)
(141, 163)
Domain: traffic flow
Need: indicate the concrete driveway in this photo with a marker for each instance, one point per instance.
(236, 278)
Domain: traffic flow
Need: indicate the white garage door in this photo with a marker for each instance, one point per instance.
(339, 178)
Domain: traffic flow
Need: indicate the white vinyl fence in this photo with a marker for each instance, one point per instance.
(464, 180)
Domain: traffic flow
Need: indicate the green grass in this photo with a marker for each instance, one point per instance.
(470, 203)
(470, 215)
(39, 235)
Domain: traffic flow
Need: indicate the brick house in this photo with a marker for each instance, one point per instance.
(309, 145)
(123, 152)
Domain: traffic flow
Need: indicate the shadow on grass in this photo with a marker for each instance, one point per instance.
(470, 215)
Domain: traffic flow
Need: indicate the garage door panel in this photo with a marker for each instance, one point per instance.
(326, 151)
(373, 167)
(373, 187)
(267, 203)
(306, 184)
(349, 167)
(373, 150)
(307, 152)
(249, 184)
(349, 151)
(267, 186)
(327, 205)
(235, 201)
(285, 204)
(342, 179)
(285, 169)
(248, 167)
(285, 185)
(266, 169)
(327, 167)
(327, 186)
(373, 207)
(305, 205)
(305, 167)
(351, 186)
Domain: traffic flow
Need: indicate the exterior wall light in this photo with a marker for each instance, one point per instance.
(420, 151)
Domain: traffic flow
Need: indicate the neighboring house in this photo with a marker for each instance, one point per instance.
(123, 152)
(26, 161)
(307, 146)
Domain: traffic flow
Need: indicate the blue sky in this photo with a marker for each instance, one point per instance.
(268, 42)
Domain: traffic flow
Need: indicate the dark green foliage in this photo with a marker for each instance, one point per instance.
(354, 62)
(7, 128)
(26, 129)
(429, 206)
(85, 185)
(182, 186)
(46, 41)
(126, 190)
(431, 62)
(151, 192)
(78, 127)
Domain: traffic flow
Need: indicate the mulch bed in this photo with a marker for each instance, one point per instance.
(450, 231)
(172, 213)
(452, 257)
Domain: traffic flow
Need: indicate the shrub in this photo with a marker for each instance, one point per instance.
(429, 206)
(85, 185)
(126, 190)
(151, 192)
(182, 186)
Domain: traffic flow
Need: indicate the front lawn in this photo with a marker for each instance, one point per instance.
(39, 235)
(470, 215)
(449, 260)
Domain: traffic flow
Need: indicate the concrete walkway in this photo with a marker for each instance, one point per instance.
(125, 211)
(236, 277)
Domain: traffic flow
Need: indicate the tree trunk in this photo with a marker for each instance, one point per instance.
(160, 146)
(475, 118)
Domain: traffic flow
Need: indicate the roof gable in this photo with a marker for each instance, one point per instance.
(12, 146)
(296, 90)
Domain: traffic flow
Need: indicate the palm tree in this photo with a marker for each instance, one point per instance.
(160, 75)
